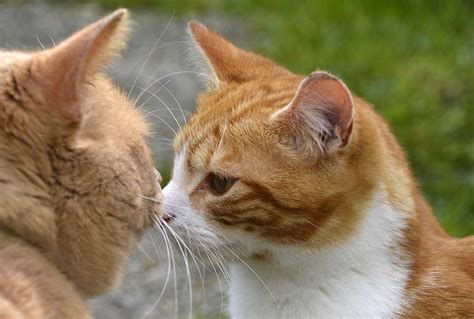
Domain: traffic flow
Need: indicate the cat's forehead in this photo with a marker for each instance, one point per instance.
(236, 107)
(232, 121)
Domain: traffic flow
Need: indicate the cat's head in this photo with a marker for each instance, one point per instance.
(75, 170)
(270, 159)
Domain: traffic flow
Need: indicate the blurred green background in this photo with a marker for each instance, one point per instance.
(414, 60)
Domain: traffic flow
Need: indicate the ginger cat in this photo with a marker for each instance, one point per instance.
(74, 166)
(305, 189)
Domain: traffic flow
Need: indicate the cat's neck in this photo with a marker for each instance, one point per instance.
(365, 275)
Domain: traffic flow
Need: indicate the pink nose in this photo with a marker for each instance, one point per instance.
(167, 217)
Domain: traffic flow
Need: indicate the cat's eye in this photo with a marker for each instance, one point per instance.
(220, 184)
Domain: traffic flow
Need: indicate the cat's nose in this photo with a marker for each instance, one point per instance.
(167, 217)
(169, 202)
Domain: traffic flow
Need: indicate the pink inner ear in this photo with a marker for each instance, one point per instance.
(326, 103)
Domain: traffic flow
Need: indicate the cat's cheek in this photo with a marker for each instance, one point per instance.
(198, 199)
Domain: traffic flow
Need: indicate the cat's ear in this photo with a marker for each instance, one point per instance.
(219, 61)
(64, 69)
(319, 118)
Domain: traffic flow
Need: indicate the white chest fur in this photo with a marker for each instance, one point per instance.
(363, 278)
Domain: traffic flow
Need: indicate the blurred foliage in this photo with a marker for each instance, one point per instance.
(414, 60)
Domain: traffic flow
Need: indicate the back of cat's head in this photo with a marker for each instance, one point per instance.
(74, 165)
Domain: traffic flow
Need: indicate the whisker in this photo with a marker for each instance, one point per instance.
(206, 250)
(216, 257)
(52, 40)
(182, 241)
(188, 272)
(161, 109)
(166, 123)
(174, 275)
(142, 105)
(164, 77)
(143, 251)
(222, 137)
(156, 74)
(149, 55)
(149, 311)
(39, 41)
(166, 106)
(312, 224)
(175, 100)
(256, 275)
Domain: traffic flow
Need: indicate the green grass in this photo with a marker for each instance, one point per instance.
(414, 60)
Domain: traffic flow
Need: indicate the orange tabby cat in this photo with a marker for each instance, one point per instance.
(303, 186)
(73, 169)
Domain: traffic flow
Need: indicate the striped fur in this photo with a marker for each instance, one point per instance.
(323, 193)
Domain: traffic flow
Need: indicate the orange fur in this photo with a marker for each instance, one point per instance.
(74, 166)
(291, 192)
